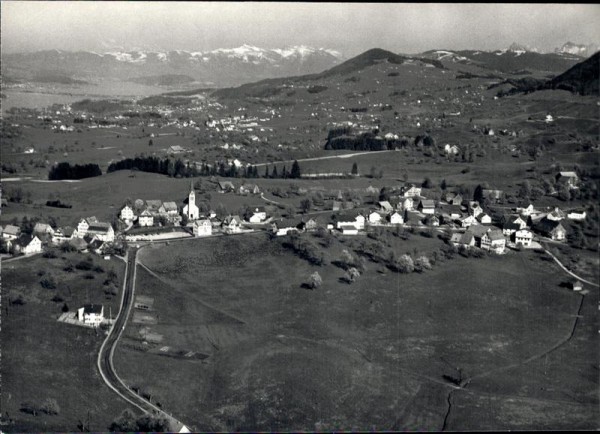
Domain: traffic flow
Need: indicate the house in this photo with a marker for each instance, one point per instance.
(146, 219)
(232, 224)
(63, 234)
(95, 245)
(550, 228)
(78, 244)
(202, 228)
(578, 215)
(569, 178)
(474, 208)
(311, 224)
(176, 149)
(259, 215)
(169, 209)
(493, 240)
(375, 218)
(467, 221)
(556, 215)
(191, 210)
(577, 285)
(249, 189)
(385, 207)
(43, 229)
(484, 219)
(336, 205)
(510, 227)
(371, 190)
(492, 195)
(103, 231)
(452, 211)
(348, 229)
(453, 198)
(226, 186)
(285, 226)
(527, 211)
(28, 244)
(11, 232)
(451, 150)
(426, 206)
(408, 204)
(395, 218)
(357, 220)
(84, 225)
(523, 237)
(466, 239)
(410, 191)
(127, 214)
(432, 220)
(91, 314)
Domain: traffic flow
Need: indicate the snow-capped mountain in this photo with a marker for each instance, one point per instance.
(219, 67)
(521, 49)
(577, 49)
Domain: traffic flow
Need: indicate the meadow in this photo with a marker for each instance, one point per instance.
(380, 353)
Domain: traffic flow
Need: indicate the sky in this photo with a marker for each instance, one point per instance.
(350, 28)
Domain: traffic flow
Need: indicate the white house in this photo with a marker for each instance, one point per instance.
(127, 214)
(385, 207)
(84, 225)
(451, 150)
(411, 191)
(284, 226)
(408, 204)
(524, 237)
(91, 314)
(578, 215)
(484, 219)
(190, 209)
(493, 240)
(474, 208)
(556, 215)
(527, 211)
(427, 206)
(202, 228)
(28, 244)
(348, 229)
(63, 234)
(468, 221)
(358, 222)
(375, 218)
(396, 218)
(146, 219)
(259, 215)
(232, 224)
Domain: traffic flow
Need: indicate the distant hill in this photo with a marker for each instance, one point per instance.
(582, 78)
(164, 80)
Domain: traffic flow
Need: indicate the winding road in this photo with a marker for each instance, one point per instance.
(105, 356)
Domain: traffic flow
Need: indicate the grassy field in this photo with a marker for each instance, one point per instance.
(370, 355)
(43, 358)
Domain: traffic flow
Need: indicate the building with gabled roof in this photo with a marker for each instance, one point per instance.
(91, 314)
(28, 244)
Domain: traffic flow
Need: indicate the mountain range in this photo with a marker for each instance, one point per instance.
(226, 67)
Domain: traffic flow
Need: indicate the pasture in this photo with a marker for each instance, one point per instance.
(381, 353)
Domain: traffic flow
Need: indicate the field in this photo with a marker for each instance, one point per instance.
(43, 358)
(381, 353)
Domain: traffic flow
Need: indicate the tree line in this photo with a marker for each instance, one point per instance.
(66, 171)
(179, 169)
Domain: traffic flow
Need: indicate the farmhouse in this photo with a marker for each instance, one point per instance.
(426, 206)
(556, 215)
(357, 220)
(84, 225)
(127, 214)
(11, 232)
(527, 211)
(551, 228)
(153, 206)
(202, 228)
(410, 191)
(311, 224)
(467, 221)
(63, 234)
(232, 224)
(408, 204)
(466, 240)
(285, 226)
(226, 186)
(493, 240)
(91, 314)
(249, 189)
(523, 237)
(568, 178)
(102, 231)
(577, 215)
(432, 220)
(385, 207)
(577, 285)
(42, 229)
(170, 211)
(453, 198)
(176, 149)
(348, 229)
(28, 244)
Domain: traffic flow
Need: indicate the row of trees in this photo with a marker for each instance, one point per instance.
(66, 171)
(179, 169)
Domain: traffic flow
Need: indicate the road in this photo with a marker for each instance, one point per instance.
(105, 356)
(327, 157)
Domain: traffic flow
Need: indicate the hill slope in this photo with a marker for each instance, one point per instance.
(582, 78)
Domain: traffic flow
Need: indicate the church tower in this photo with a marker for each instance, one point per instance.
(191, 210)
(192, 197)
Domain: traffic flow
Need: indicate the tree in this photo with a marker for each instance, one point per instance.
(150, 142)
(422, 263)
(274, 173)
(295, 172)
(124, 423)
(443, 184)
(576, 237)
(305, 205)
(524, 190)
(50, 406)
(427, 183)
(354, 169)
(346, 259)
(315, 281)
(405, 264)
(373, 172)
(478, 194)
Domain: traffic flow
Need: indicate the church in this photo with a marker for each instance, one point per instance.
(191, 210)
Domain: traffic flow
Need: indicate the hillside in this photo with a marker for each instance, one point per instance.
(582, 78)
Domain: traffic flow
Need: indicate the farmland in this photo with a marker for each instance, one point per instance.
(386, 344)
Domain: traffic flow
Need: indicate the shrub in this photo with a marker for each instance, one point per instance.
(405, 264)
(422, 263)
(29, 408)
(65, 307)
(84, 265)
(50, 253)
(48, 283)
(89, 276)
(50, 406)
(315, 281)
(57, 299)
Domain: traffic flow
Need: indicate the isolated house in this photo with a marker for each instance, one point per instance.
(176, 149)
(226, 186)
(451, 149)
(577, 285)
(202, 228)
(91, 314)
(577, 215)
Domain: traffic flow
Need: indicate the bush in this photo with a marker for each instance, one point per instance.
(405, 264)
(48, 283)
(422, 263)
(84, 265)
(50, 406)
(29, 408)
(57, 299)
(315, 281)
(65, 307)
(50, 253)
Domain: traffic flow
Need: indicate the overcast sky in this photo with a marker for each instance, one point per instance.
(349, 28)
